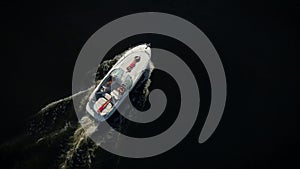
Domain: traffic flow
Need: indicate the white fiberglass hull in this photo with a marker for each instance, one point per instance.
(129, 70)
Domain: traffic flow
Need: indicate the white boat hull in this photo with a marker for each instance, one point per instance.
(129, 70)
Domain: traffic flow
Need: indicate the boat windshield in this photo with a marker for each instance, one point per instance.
(128, 82)
(117, 73)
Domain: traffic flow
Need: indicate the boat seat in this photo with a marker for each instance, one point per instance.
(99, 103)
(115, 94)
(107, 96)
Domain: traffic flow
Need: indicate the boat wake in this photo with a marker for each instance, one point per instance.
(55, 139)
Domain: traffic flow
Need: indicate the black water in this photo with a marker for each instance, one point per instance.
(256, 40)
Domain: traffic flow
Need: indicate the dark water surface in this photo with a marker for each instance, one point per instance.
(257, 42)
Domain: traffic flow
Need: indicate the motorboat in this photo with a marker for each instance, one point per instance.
(118, 82)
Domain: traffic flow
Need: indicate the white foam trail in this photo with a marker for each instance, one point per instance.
(89, 125)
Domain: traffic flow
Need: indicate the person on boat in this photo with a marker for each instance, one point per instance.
(137, 58)
(121, 90)
(118, 93)
(108, 84)
(132, 64)
(106, 88)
